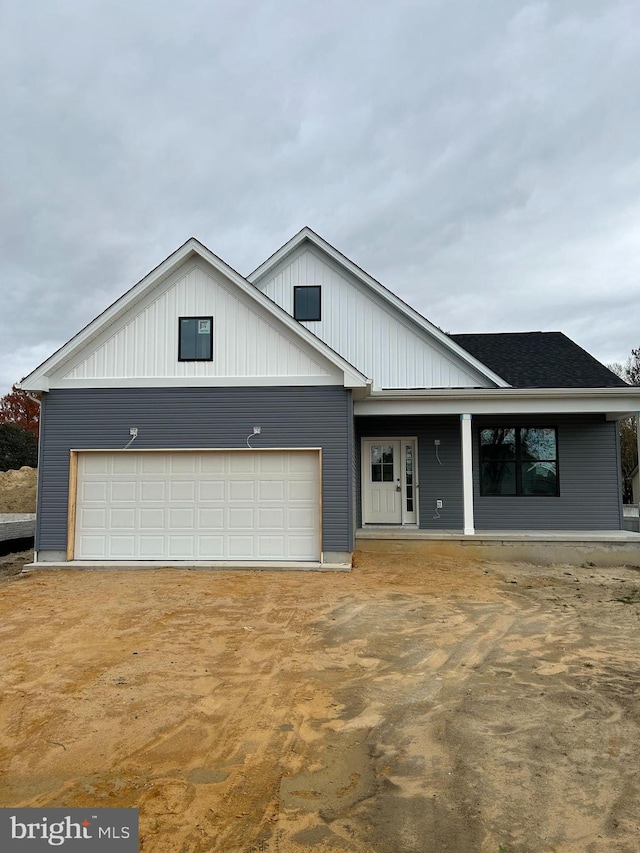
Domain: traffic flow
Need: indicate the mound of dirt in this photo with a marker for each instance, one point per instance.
(18, 490)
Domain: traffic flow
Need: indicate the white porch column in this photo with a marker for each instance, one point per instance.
(467, 474)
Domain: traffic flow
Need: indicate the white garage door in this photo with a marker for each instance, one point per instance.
(205, 505)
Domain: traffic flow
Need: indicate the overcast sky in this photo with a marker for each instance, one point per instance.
(480, 159)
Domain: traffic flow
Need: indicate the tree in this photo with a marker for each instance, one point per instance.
(18, 447)
(630, 372)
(17, 407)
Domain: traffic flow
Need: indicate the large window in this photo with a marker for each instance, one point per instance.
(306, 303)
(195, 339)
(519, 461)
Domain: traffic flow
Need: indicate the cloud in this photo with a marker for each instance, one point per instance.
(478, 159)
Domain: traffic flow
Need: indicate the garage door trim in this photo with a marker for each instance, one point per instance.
(73, 477)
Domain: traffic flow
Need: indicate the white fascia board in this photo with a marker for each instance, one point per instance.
(613, 402)
(40, 376)
(380, 290)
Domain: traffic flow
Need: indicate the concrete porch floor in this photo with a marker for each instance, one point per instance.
(544, 547)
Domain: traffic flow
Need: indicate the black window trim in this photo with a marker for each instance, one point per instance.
(317, 287)
(518, 463)
(196, 317)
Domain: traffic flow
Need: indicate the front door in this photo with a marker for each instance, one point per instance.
(388, 481)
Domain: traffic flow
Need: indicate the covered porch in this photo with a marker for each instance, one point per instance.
(440, 437)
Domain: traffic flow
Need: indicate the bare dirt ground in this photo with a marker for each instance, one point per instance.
(18, 490)
(407, 707)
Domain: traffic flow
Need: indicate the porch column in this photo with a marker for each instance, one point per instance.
(467, 474)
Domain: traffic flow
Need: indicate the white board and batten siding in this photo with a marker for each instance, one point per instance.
(248, 342)
(198, 505)
(366, 330)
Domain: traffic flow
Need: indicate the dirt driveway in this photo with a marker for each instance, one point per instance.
(407, 707)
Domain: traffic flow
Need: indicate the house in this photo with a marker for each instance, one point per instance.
(209, 417)
(635, 485)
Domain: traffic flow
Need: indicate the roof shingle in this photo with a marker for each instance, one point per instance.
(539, 360)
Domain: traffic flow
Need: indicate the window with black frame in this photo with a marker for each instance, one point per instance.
(307, 303)
(519, 461)
(195, 339)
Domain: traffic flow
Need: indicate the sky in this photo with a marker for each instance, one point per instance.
(480, 159)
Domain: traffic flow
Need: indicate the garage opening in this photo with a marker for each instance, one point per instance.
(195, 505)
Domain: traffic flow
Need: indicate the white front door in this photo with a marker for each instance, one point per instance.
(389, 481)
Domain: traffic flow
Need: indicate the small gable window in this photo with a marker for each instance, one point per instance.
(519, 461)
(195, 339)
(306, 302)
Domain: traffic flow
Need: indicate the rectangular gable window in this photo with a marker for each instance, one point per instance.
(519, 461)
(195, 339)
(306, 302)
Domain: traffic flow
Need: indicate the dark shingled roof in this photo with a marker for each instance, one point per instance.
(539, 360)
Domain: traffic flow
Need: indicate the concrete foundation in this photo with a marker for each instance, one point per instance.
(17, 525)
(577, 548)
(192, 565)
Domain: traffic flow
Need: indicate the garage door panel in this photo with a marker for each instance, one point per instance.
(210, 519)
(272, 463)
(182, 490)
(125, 463)
(271, 518)
(153, 463)
(122, 546)
(183, 519)
(198, 505)
(299, 547)
(123, 491)
(97, 463)
(95, 518)
(94, 546)
(241, 547)
(300, 518)
(183, 463)
(303, 490)
(242, 463)
(123, 518)
(241, 518)
(153, 490)
(211, 490)
(271, 490)
(213, 463)
(93, 492)
(152, 518)
(150, 548)
(241, 490)
(181, 547)
(271, 546)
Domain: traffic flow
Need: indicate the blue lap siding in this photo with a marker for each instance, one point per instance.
(175, 418)
(588, 473)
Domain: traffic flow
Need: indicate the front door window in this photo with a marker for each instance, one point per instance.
(382, 463)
